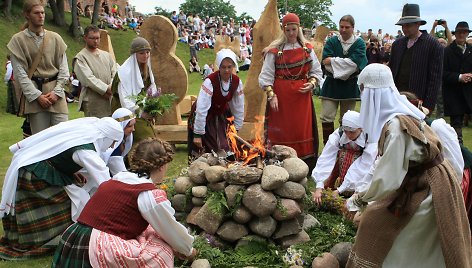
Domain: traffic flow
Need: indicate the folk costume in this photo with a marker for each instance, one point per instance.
(286, 69)
(12, 101)
(36, 207)
(217, 101)
(344, 163)
(51, 74)
(129, 82)
(103, 237)
(348, 58)
(114, 157)
(95, 71)
(404, 227)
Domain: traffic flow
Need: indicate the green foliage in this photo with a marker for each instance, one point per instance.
(280, 207)
(310, 11)
(210, 8)
(216, 202)
(237, 201)
(162, 11)
(331, 202)
(155, 106)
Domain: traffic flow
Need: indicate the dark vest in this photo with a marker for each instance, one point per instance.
(402, 80)
(114, 209)
(219, 103)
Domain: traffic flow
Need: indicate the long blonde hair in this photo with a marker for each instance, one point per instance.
(27, 7)
(282, 39)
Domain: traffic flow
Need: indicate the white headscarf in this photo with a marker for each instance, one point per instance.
(52, 141)
(130, 76)
(351, 119)
(381, 101)
(226, 53)
(123, 117)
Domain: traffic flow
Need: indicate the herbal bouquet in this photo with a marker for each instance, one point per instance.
(153, 102)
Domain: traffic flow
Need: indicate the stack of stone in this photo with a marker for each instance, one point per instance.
(265, 203)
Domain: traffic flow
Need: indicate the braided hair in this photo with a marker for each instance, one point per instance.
(150, 154)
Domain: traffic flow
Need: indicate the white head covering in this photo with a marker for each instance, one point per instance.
(381, 101)
(130, 76)
(226, 53)
(52, 141)
(351, 119)
(123, 116)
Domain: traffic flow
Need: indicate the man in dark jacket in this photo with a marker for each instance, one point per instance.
(417, 58)
(457, 78)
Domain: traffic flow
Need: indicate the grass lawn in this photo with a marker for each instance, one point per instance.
(10, 125)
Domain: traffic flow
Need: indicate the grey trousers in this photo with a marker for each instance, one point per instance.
(42, 120)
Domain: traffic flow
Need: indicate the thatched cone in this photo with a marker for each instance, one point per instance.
(318, 41)
(105, 43)
(264, 32)
(169, 71)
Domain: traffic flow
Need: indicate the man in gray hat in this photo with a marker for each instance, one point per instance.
(457, 78)
(416, 60)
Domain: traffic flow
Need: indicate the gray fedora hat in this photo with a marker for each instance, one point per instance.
(410, 14)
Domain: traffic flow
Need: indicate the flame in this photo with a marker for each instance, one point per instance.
(247, 152)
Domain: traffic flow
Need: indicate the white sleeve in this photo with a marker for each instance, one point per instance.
(327, 160)
(343, 68)
(237, 106)
(267, 75)
(392, 167)
(157, 210)
(359, 168)
(116, 164)
(451, 148)
(27, 86)
(62, 77)
(203, 105)
(8, 72)
(315, 70)
(97, 171)
(125, 98)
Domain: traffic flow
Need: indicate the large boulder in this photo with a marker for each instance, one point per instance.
(196, 172)
(208, 219)
(291, 190)
(296, 168)
(232, 231)
(215, 174)
(273, 177)
(264, 226)
(242, 175)
(261, 203)
(287, 209)
(231, 192)
(341, 251)
(182, 184)
(327, 260)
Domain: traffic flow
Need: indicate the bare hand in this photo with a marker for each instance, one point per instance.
(327, 61)
(465, 78)
(307, 87)
(336, 193)
(198, 142)
(52, 97)
(317, 196)
(108, 94)
(44, 102)
(274, 103)
(191, 257)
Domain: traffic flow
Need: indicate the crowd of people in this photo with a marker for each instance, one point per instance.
(404, 176)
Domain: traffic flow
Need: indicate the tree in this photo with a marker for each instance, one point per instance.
(161, 11)
(74, 25)
(309, 11)
(7, 9)
(244, 16)
(210, 8)
(57, 8)
(96, 12)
